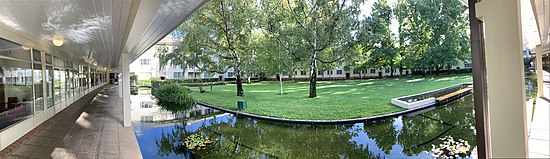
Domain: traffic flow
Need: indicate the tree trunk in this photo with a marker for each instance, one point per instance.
(237, 71)
(400, 69)
(391, 71)
(313, 65)
(281, 83)
(313, 76)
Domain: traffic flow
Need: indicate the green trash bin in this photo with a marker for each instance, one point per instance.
(241, 104)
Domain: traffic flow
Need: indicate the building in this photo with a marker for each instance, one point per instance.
(341, 74)
(148, 66)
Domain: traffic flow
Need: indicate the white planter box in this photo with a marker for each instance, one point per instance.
(407, 105)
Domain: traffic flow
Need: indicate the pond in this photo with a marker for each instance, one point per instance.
(161, 134)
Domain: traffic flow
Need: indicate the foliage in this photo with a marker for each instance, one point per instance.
(433, 34)
(376, 38)
(174, 93)
(313, 31)
(451, 148)
(197, 142)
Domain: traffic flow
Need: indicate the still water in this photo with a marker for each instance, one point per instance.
(161, 134)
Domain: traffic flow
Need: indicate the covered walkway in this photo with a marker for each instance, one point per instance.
(539, 135)
(90, 128)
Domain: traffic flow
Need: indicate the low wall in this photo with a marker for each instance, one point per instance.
(426, 98)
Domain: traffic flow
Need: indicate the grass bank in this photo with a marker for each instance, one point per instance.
(336, 99)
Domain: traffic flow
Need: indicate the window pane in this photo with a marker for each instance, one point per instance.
(36, 55)
(59, 83)
(38, 87)
(15, 91)
(13, 50)
(49, 86)
(49, 59)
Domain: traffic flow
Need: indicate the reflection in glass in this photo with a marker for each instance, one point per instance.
(15, 91)
(59, 85)
(38, 87)
(36, 56)
(49, 86)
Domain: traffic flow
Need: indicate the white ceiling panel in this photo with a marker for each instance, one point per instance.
(93, 30)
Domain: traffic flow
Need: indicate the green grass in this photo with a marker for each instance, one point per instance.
(336, 99)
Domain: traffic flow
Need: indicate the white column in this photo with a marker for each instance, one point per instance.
(540, 83)
(119, 83)
(505, 78)
(126, 89)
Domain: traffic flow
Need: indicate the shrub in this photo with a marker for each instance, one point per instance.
(174, 93)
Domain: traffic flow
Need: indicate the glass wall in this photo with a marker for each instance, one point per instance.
(31, 80)
(38, 88)
(59, 80)
(49, 86)
(15, 83)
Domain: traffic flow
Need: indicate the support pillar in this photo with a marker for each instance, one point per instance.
(505, 78)
(119, 83)
(540, 83)
(126, 89)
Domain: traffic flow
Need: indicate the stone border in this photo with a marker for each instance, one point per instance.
(300, 121)
(402, 101)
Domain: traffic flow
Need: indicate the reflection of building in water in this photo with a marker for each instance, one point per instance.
(145, 109)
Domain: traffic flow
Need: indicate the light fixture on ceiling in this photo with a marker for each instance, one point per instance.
(57, 40)
(25, 47)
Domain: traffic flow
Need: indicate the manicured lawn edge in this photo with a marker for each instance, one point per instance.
(301, 121)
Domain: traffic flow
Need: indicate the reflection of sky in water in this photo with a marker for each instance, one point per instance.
(407, 135)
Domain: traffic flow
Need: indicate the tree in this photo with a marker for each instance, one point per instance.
(313, 31)
(375, 34)
(272, 59)
(433, 34)
(218, 34)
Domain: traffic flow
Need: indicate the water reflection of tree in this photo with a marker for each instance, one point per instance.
(247, 138)
(421, 131)
(173, 107)
(382, 132)
(172, 142)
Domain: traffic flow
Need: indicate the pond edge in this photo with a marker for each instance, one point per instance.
(302, 121)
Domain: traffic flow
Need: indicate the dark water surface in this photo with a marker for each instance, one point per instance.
(161, 134)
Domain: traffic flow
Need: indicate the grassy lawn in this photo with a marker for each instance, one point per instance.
(336, 99)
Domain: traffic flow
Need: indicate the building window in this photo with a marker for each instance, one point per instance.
(229, 74)
(178, 74)
(338, 72)
(207, 75)
(303, 73)
(329, 72)
(467, 65)
(356, 71)
(147, 118)
(36, 55)
(49, 86)
(372, 71)
(319, 72)
(146, 104)
(145, 61)
(386, 70)
(15, 84)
